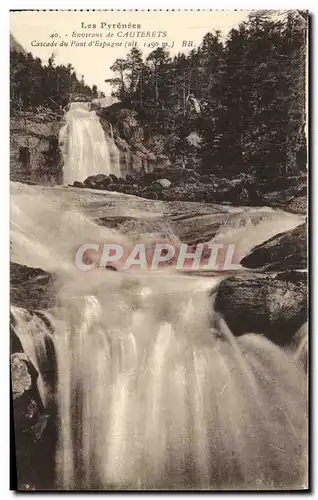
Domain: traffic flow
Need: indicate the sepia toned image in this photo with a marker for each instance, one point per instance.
(158, 250)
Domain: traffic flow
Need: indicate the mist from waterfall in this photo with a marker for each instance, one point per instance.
(84, 145)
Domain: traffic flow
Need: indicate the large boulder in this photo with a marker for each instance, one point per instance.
(284, 251)
(31, 288)
(20, 374)
(99, 181)
(78, 184)
(275, 306)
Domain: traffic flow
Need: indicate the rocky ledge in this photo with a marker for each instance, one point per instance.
(31, 288)
(34, 146)
(183, 184)
(273, 305)
(284, 251)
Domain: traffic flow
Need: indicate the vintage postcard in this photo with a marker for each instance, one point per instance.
(158, 176)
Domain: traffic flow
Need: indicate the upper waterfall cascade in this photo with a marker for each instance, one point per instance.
(85, 147)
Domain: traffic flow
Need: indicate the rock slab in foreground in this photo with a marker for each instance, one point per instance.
(31, 288)
(275, 306)
(284, 251)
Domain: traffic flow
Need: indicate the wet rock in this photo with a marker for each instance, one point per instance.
(111, 268)
(15, 343)
(21, 378)
(78, 184)
(275, 306)
(284, 251)
(99, 181)
(26, 400)
(31, 288)
(113, 178)
(112, 187)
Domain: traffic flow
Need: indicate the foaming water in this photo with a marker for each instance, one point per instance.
(165, 401)
(86, 149)
(153, 391)
(250, 228)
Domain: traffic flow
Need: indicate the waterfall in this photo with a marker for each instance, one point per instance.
(151, 397)
(85, 148)
(152, 391)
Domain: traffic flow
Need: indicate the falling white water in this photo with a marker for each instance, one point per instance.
(85, 148)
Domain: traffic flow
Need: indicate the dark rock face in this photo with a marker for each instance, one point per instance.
(288, 193)
(34, 149)
(137, 156)
(34, 422)
(78, 184)
(34, 430)
(31, 288)
(275, 306)
(100, 181)
(282, 252)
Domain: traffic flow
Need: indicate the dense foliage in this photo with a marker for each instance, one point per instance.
(34, 84)
(245, 96)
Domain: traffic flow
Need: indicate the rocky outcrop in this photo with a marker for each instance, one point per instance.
(170, 184)
(186, 185)
(33, 427)
(284, 251)
(136, 157)
(272, 305)
(288, 193)
(20, 373)
(31, 288)
(34, 146)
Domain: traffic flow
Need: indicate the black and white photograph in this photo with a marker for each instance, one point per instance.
(158, 250)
